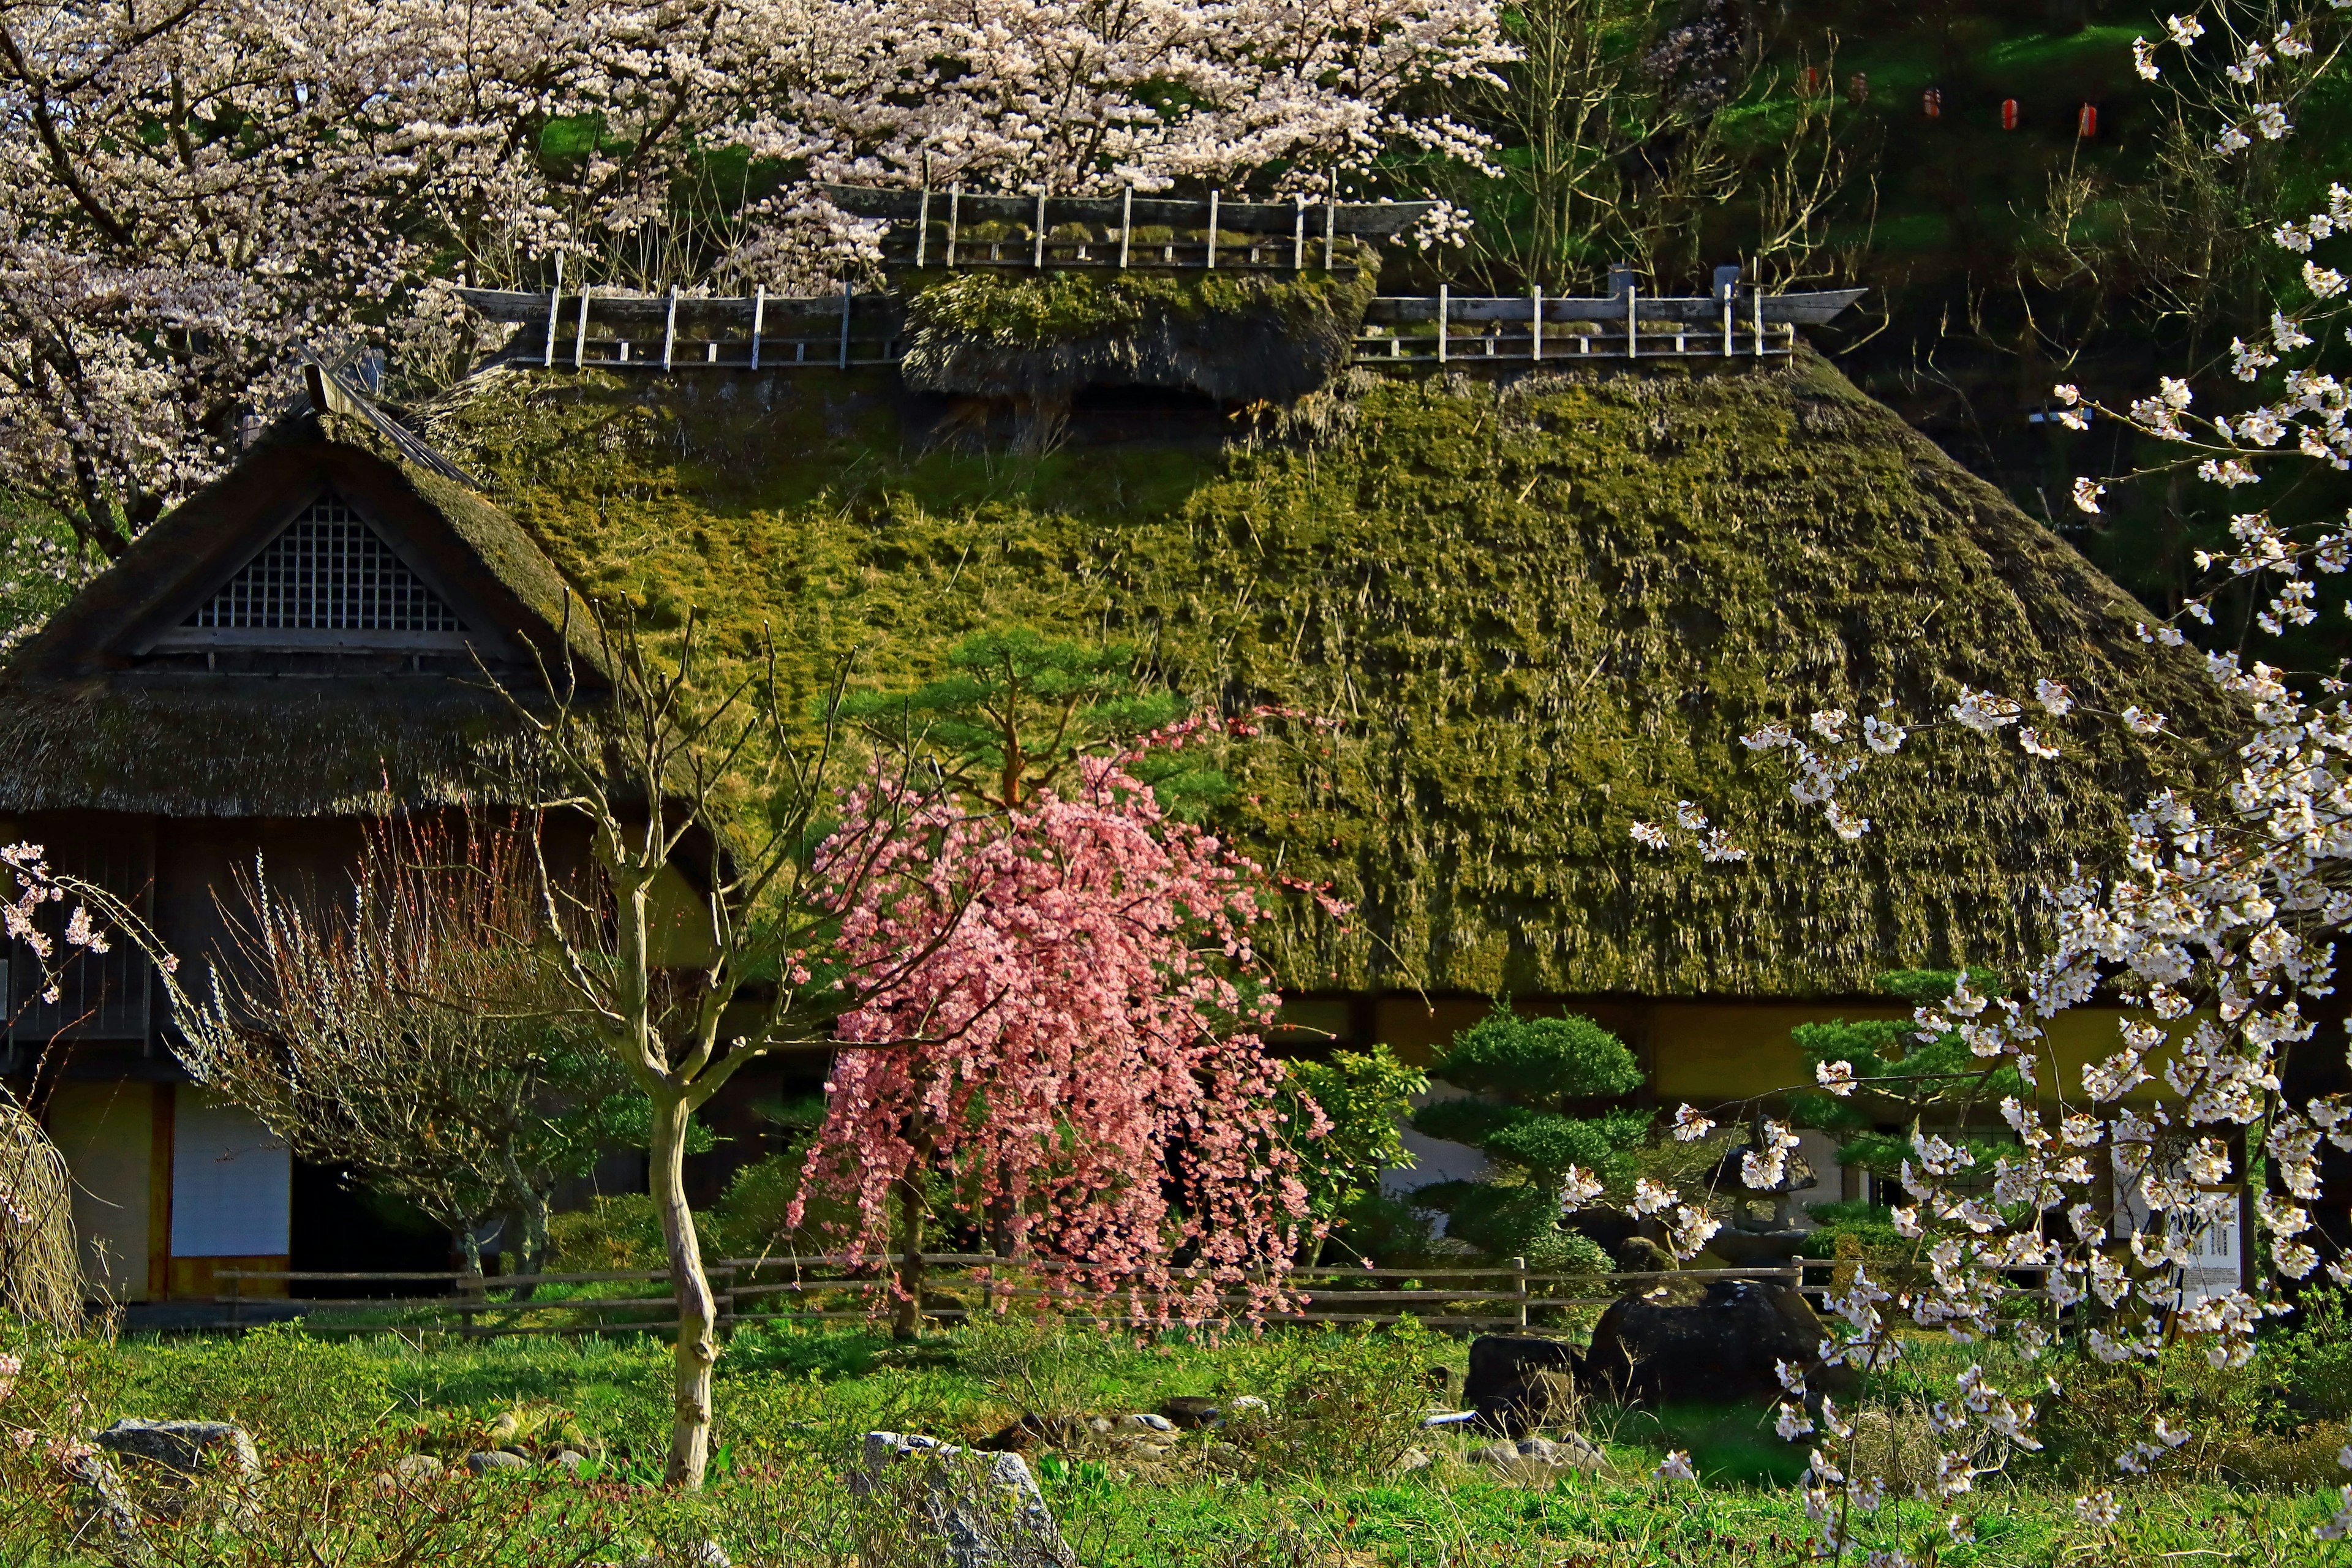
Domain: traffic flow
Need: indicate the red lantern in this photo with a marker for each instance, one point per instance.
(2008, 115)
(1933, 101)
(2086, 125)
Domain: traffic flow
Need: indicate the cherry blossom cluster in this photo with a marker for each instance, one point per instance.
(1084, 1063)
(1078, 96)
(189, 195)
(38, 887)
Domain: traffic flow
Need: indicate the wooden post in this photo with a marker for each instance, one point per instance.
(759, 319)
(1330, 231)
(580, 343)
(1760, 321)
(1440, 323)
(1726, 326)
(669, 327)
(1126, 222)
(922, 225)
(845, 325)
(1536, 322)
(1039, 259)
(1299, 236)
(554, 309)
(955, 208)
(1519, 1288)
(1213, 231)
(1632, 321)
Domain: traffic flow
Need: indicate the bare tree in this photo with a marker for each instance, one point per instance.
(412, 1029)
(705, 935)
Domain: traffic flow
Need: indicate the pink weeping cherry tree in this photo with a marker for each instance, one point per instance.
(1081, 1064)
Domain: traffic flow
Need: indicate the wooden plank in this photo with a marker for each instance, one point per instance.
(1368, 218)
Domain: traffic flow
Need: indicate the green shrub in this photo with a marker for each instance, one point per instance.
(611, 1233)
(290, 1390)
(2313, 1360)
(1341, 1403)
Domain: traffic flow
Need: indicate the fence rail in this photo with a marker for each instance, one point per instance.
(830, 1289)
(673, 333)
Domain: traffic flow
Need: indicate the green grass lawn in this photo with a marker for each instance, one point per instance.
(1312, 1485)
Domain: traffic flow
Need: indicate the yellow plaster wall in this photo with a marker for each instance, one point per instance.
(107, 1132)
(1713, 1053)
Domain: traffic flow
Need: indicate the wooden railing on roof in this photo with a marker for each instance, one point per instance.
(957, 229)
(763, 332)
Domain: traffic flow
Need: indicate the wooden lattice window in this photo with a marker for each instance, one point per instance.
(329, 572)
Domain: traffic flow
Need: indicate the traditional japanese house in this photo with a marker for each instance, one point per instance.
(1539, 595)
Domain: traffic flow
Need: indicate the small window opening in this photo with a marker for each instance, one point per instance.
(328, 572)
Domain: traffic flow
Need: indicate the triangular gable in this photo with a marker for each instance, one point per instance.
(328, 570)
(322, 542)
(330, 578)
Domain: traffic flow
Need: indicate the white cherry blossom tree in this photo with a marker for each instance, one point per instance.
(2215, 926)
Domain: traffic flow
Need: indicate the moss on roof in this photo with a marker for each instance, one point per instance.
(1538, 613)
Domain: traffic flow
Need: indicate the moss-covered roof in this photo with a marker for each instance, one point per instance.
(85, 724)
(1536, 613)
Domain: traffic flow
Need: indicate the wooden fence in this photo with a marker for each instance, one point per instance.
(956, 1286)
(761, 332)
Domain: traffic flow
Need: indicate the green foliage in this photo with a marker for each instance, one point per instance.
(1343, 1402)
(1871, 1225)
(286, 1387)
(1534, 1068)
(1536, 1062)
(1015, 709)
(1901, 1078)
(1365, 1096)
(2313, 1359)
(1383, 1231)
(1513, 1219)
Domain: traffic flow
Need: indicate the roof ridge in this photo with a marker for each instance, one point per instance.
(331, 392)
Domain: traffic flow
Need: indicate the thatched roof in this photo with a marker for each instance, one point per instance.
(1536, 613)
(85, 724)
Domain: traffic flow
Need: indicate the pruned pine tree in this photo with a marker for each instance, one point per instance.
(1531, 1081)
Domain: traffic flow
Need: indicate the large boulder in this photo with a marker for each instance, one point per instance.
(984, 1508)
(1511, 1387)
(161, 1461)
(1724, 1348)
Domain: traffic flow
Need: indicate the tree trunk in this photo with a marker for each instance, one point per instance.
(698, 1312)
(907, 1317)
(529, 1219)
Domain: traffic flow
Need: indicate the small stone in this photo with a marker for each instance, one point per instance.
(567, 1460)
(1098, 1424)
(418, 1467)
(496, 1459)
(505, 1425)
(1409, 1461)
(1143, 1423)
(1191, 1411)
(1501, 1456)
(1536, 1450)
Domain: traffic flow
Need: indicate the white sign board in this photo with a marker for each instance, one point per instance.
(2215, 1265)
(232, 1182)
